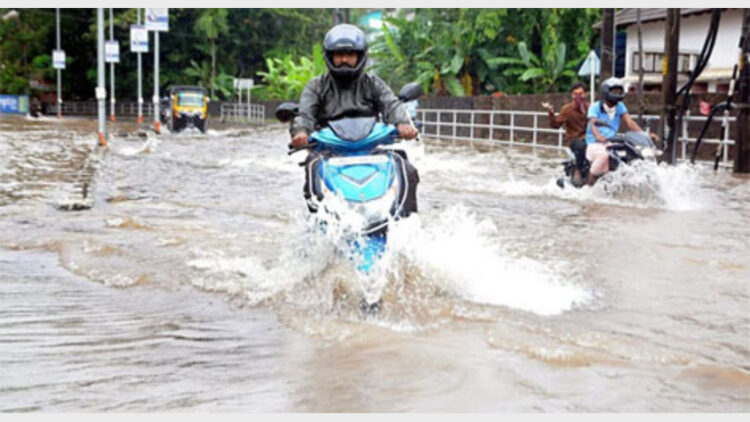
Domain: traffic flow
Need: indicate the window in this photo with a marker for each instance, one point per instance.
(653, 62)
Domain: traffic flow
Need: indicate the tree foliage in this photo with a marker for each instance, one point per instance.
(450, 51)
(457, 51)
(251, 36)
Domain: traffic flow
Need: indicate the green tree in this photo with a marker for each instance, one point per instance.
(456, 51)
(546, 74)
(212, 23)
(285, 79)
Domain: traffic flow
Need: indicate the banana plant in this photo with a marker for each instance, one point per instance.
(544, 74)
(285, 79)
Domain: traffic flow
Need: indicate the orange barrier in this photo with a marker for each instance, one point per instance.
(102, 141)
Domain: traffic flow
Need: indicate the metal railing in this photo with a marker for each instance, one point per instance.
(524, 128)
(250, 113)
(89, 108)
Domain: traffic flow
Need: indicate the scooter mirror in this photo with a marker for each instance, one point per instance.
(286, 111)
(410, 92)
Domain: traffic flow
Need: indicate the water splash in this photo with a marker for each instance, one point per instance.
(645, 184)
(461, 254)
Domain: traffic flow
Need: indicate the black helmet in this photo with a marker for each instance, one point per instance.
(345, 37)
(608, 86)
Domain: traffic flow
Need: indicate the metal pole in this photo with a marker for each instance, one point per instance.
(140, 78)
(669, 85)
(592, 76)
(607, 45)
(742, 143)
(101, 91)
(155, 99)
(59, 76)
(641, 105)
(111, 70)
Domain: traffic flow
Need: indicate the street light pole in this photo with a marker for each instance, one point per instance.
(156, 82)
(112, 69)
(59, 75)
(101, 91)
(140, 78)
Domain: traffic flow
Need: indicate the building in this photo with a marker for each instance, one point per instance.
(694, 24)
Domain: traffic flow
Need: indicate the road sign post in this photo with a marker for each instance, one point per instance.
(157, 20)
(138, 45)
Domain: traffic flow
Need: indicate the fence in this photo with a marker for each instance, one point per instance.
(251, 113)
(89, 108)
(524, 128)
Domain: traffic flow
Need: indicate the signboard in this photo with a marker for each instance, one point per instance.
(14, 104)
(138, 39)
(58, 59)
(591, 65)
(243, 83)
(157, 19)
(112, 52)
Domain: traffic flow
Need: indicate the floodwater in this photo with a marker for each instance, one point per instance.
(196, 283)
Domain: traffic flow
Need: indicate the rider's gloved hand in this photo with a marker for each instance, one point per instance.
(406, 131)
(299, 140)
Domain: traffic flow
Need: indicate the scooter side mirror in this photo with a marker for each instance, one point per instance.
(286, 111)
(410, 92)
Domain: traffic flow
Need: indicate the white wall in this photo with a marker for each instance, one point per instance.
(693, 31)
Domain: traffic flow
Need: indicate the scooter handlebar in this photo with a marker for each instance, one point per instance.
(293, 149)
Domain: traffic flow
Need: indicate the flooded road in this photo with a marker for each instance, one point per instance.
(196, 283)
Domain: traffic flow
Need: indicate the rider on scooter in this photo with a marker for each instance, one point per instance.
(347, 91)
(604, 121)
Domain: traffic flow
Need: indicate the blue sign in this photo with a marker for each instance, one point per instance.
(14, 104)
(591, 63)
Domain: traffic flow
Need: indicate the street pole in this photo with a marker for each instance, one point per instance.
(668, 131)
(111, 69)
(140, 78)
(742, 147)
(155, 99)
(101, 91)
(641, 104)
(592, 75)
(59, 75)
(607, 46)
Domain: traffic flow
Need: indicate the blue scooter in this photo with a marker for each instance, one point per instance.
(348, 175)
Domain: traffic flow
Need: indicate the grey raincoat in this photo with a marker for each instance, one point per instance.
(324, 99)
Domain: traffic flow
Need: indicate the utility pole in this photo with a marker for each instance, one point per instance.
(640, 66)
(667, 129)
(59, 74)
(101, 91)
(608, 43)
(155, 99)
(111, 69)
(140, 78)
(742, 146)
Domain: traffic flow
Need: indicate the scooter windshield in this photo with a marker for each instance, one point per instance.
(354, 134)
(352, 128)
(639, 138)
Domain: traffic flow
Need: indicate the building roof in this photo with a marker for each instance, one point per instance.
(626, 17)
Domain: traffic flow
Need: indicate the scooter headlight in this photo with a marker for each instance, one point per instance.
(648, 152)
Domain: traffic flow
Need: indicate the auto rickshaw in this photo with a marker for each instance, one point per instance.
(189, 108)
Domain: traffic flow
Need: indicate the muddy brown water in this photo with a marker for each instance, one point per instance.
(196, 283)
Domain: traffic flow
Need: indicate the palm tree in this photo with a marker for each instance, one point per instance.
(212, 23)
